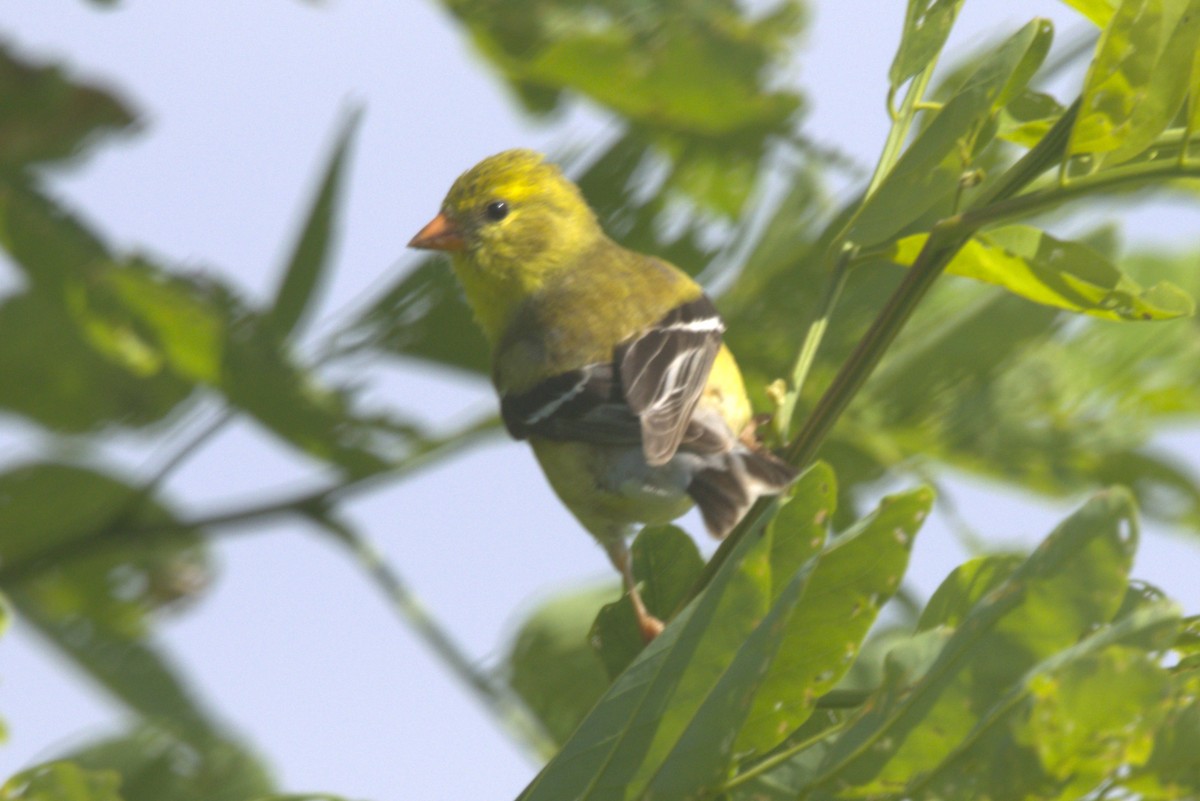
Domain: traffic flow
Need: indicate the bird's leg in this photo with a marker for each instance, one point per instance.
(618, 552)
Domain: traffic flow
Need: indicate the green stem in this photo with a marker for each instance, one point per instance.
(122, 529)
(902, 122)
(812, 340)
(503, 705)
(1036, 202)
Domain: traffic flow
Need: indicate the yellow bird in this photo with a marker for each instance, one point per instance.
(609, 362)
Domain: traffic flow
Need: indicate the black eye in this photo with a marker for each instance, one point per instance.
(496, 210)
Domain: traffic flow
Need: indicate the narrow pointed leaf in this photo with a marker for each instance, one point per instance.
(310, 256)
(701, 757)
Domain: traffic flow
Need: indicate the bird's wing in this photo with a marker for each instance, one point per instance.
(647, 393)
(663, 372)
(584, 404)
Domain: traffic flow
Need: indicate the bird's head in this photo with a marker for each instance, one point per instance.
(510, 222)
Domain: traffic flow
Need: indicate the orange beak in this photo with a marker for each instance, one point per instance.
(439, 234)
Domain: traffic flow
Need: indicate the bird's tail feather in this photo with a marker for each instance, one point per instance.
(725, 492)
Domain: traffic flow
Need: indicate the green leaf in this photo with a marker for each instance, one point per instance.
(1172, 771)
(423, 316)
(927, 24)
(930, 169)
(310, 255)
(1095, 713)
(1138, 78)
(176, 324)
(154, 766)
(700, 758)
(1066, 275)
(1028, 117)
(999, 758)
(627, 736)
(47, 117)
(965, 587)
(88, 573)
(551, 664)
(63, 383)
(1071, 583)
(699, 88)
(1098, 11)
(853, 579)
(666, 564)
(61, 781)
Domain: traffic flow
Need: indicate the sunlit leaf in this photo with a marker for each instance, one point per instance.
(853, 578)
(61, 781)
(1138, 78)
(1066, 275)
(1098, 11)
(1028, 118)
(1072, 582)
(1095, 713)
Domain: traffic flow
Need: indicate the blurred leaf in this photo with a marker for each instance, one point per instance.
(177, 324)
(666, 565)
(260, 378)
(965, 587)
(999, 758)
(1098, 11)
(1068, 275)
(1028, 118)
(930, 169)
(61, 781)
(703, 71)
(1172, 771)
(1071, 583)
(853, 579)
(310, 255)
(423, 316)
(48, 118)
(87, 574)
(697, 85)
(646, 711)
(927, 24)
(1138, 78)
(64, 384)
(551, 665)
(1095, 713)
(155, 766)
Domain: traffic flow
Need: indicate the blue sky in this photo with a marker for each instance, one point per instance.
(293, 647)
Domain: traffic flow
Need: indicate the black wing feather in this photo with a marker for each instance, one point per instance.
(647, 393)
